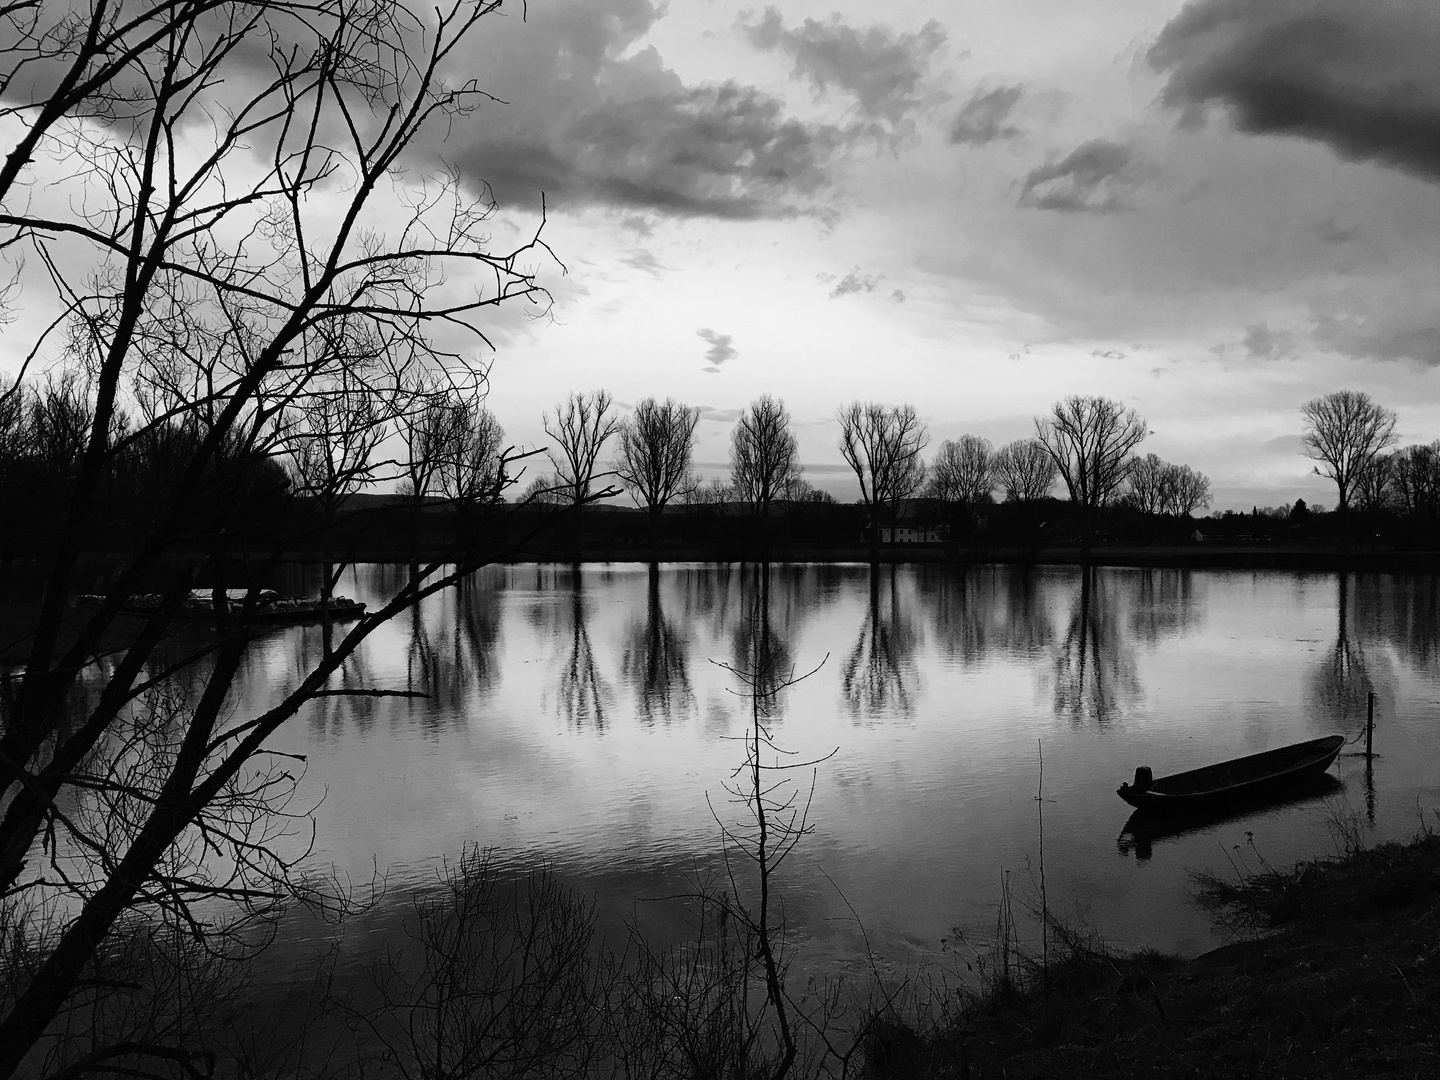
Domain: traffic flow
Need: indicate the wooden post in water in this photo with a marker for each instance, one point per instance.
(1369, 725)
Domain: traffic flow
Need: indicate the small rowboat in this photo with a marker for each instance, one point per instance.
(1232, 781)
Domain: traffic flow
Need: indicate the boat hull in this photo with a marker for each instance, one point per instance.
(1236, 781)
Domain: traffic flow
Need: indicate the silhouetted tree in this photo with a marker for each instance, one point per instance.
(1415, 478)
(1090, 440)
(883, 444)
(1158, 487)
(579, 428)
(1344, 431)
(656, 444)
(1372, 484)
(1024, 470)
(1185, 490)
(332, 441)
(426, 421)
(962, 471)
(472, 468)
(764, 461)
(1149, 482)
(547, 488)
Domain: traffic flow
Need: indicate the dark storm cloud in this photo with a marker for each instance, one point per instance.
(883, 71)
(1096, 177)
(720, 348)
(590, 120)
(983, 118)
(1359, 77)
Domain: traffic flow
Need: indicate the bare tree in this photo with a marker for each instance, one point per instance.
(472, 470)
(883, 445)
(1415, 478)
(963, 471)
(333, 439)
(546, 489)
(431, 411)
(1090, 440)
(1185, 490)
(580, 428)
(226, 202)
(1149, 480)
(1373, 486)
(764, 459)
(1344, 431)
(656, 444)
(1024, 470)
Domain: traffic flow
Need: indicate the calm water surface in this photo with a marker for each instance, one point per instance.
(583, 718)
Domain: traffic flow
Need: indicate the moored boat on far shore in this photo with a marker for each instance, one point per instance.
(264, 605)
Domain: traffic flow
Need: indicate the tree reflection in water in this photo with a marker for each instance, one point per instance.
(657, 660)
(1342, 681)
(979, 612)
(584, 697)
(460, 658)
(759, 642)
(1402, 611)
(333, 714)
(1094, 663)
(1164, 604)
(880, 675)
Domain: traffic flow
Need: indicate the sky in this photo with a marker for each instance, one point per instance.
(1210, 211)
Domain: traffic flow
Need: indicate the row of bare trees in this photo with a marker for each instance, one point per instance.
(1086, 441)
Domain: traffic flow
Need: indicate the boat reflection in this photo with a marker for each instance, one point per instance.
(1145, 829)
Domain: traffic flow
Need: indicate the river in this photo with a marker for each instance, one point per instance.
(589, 719)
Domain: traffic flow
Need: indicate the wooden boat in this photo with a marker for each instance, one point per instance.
(1232, 781)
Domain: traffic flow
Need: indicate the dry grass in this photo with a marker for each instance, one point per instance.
(1340, 977)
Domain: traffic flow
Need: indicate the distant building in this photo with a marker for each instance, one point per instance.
(914, 525)
(910, 534)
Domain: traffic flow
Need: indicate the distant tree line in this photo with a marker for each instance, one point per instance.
(440, 448)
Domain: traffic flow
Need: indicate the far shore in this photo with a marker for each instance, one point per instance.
(1220, 556)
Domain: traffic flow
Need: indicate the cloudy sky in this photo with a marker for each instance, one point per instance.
(1212, 211)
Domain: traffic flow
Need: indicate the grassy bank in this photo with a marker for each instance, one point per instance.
(1336, 972)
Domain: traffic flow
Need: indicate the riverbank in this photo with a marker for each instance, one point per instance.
(1336, 973)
